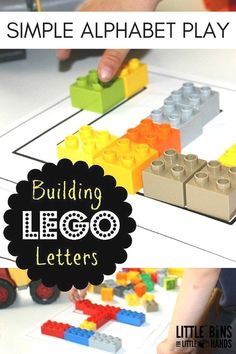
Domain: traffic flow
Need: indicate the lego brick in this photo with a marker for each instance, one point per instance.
(104, 342)
(88, 325)
(87, 307)
(161, 278)
(132, 275)
(135, 76)
(145, 277)
(91, 94)
(131, 317)
(188, 109)
(212, 191)
(149, 270)
(166, 178)
(78, 335)
(154, 277)
(120, 290)
(121, 278)
(54, 329)
(125, 161)
(132, 299)
(178, 272)
(147, 297)
(229, 157)
(110, 283)
(151, 306)
(158, 136)
(98, 288)
(107, 294)
(170, 283)
(149, 285)
(84, 145)
(140, 289)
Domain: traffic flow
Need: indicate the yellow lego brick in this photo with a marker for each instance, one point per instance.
(91, 288)
(135, 77)
(132, 275)
(107, 294)
(148, 297)
(178, 272)
(19, 276)
(149, 270)
(132, 299)
(125, 161)
(89, 325)
(228, 159)
(84, 145)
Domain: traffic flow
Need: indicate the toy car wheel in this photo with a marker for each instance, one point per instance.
(7, 294)
(42, 294)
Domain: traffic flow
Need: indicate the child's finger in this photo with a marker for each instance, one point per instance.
(110, 63)
(63, 54)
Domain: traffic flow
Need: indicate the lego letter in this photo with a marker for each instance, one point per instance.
(47, 225)
(27, 232)
(105, 225)
(76, 232)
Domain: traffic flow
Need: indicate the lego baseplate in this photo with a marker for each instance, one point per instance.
(137, 340)
(33, 141)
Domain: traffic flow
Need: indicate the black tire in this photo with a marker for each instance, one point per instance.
(42, 294)
(7, 294)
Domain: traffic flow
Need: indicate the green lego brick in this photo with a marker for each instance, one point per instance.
(170, 283)
(91, 94)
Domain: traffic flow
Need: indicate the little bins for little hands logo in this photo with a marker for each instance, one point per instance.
(69, 224)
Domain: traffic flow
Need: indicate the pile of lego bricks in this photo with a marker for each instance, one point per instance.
(136, 286)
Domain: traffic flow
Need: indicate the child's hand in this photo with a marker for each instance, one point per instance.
(112, 59)
(165, 348)
(77, 295)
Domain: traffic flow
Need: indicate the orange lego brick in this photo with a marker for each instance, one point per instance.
(158, 136)
(107, 294)
(135, 76)
(136, 280)
(125, 161)
(121, 278)
(140, 289)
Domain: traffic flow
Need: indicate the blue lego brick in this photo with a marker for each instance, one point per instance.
(131, 317)
(188, 109)
(78, 335)
(104, 342)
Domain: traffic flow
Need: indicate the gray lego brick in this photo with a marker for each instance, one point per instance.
(104, 342)
(188, 109)
(110, 283)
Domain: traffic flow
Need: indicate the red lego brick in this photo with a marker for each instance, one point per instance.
(54, 329)
(158, 136)
(100, 319)
(154, 277)
(113, 311)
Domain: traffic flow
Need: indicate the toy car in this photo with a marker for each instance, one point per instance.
(13, 278)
